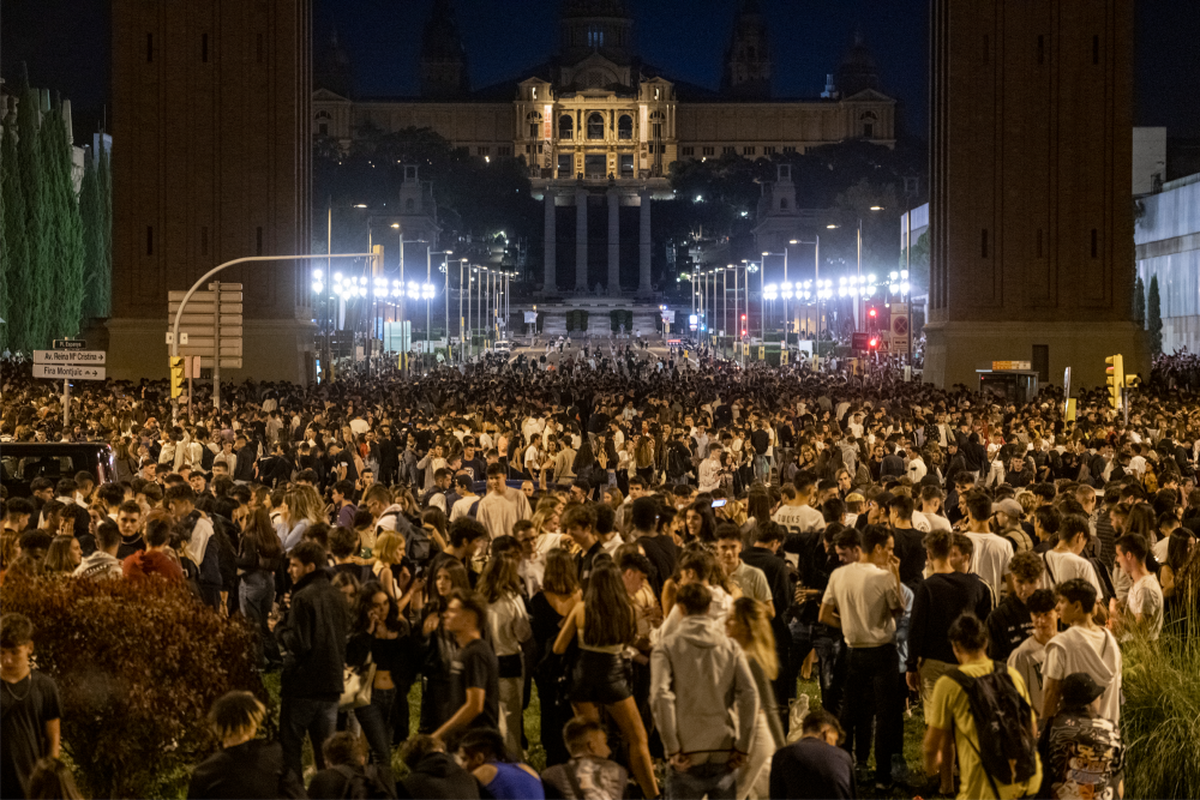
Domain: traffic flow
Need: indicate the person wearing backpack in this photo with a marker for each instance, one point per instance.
(348, 774)
(1082, 751)
(998, 759)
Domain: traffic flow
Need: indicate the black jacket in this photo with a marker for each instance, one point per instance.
(438, 776)
(250, 770)
(314, 637)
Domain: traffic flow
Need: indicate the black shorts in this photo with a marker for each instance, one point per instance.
(601, 678)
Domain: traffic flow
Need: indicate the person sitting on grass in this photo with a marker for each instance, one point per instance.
(481, 752)
(589, 774)
(245, 766)
(347, 773)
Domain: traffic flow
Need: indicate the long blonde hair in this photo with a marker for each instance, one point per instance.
(303, 502)
(761, 647)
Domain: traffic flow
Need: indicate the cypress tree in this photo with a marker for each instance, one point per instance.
(16, 240)
(89, 215)
(39, 285)
(1155, 316)
(66, 230)
(104, 233)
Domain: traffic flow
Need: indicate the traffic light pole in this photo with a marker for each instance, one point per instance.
(204, 278)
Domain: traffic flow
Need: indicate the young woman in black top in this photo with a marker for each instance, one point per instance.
(380, 638)
(439, 646)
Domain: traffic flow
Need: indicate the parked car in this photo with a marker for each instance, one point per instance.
(21, 462)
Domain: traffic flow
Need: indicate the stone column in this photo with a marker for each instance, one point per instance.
(550, 277)
(581, 240)
(614, 241)
(644, 286)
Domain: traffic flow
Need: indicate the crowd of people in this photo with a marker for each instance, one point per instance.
(660, 554)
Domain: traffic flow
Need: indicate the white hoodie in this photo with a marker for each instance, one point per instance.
(1095, 652)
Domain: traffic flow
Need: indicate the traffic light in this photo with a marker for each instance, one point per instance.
(743, 324)
(1114, 378)
(176, 365)
(873, 343)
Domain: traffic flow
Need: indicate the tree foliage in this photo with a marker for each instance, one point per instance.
(16, 264)
(42, 279)
(1154, 304)
(475, 197)
(137, 665)
(94, 207)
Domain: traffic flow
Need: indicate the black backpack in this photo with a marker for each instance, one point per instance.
(1003, 721)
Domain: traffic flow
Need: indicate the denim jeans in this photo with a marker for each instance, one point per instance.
(256, 595)
(375, 719)
(300, 716)
(714, 779)
(831, 654)
(874, 694)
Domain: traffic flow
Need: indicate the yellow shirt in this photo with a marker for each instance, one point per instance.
(950, 710)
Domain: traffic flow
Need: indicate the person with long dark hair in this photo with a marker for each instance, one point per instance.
(606, 625)
(260, 556)
(508, 628)
(440, 646)
(379, 637)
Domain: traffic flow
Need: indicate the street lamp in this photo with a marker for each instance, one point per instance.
(428, 282)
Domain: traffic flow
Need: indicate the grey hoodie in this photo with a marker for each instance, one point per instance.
(699, 679)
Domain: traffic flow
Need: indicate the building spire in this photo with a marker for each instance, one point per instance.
(747, 72)
(444, 72)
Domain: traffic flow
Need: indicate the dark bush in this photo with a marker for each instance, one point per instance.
(138, 666)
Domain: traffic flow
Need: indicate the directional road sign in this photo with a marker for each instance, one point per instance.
(69, 344)
(70, 372)
(78, 357)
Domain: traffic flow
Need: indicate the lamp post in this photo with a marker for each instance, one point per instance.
(461, 320)
(427, 289)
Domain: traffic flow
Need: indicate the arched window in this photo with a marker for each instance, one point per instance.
(656, 124)
(625, 127)
(566, 127)
(409, 206)
(595, 126)
(783, 204)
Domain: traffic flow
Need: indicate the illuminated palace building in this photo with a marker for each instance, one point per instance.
(599, 128)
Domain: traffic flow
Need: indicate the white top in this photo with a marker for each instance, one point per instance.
(990, 561)
(1028, 659)
(502, 616)
(1092, 651)
(864, 596)
(1146, 600)
(799, 519)
(1067, 566)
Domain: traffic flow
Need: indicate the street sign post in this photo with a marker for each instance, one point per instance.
(214, 329)
(71, 363)
(69, 372)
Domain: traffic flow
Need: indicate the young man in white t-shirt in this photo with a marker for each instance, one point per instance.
(863, 599)
(1029, 658)
(1144, 603)
(992, 551)
(795, 514)
(1083, 647)
(1064, 563)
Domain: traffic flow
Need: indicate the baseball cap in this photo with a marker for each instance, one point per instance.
(1010, 507)
(1079, 689)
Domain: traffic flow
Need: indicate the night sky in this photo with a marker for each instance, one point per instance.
(65, 43)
